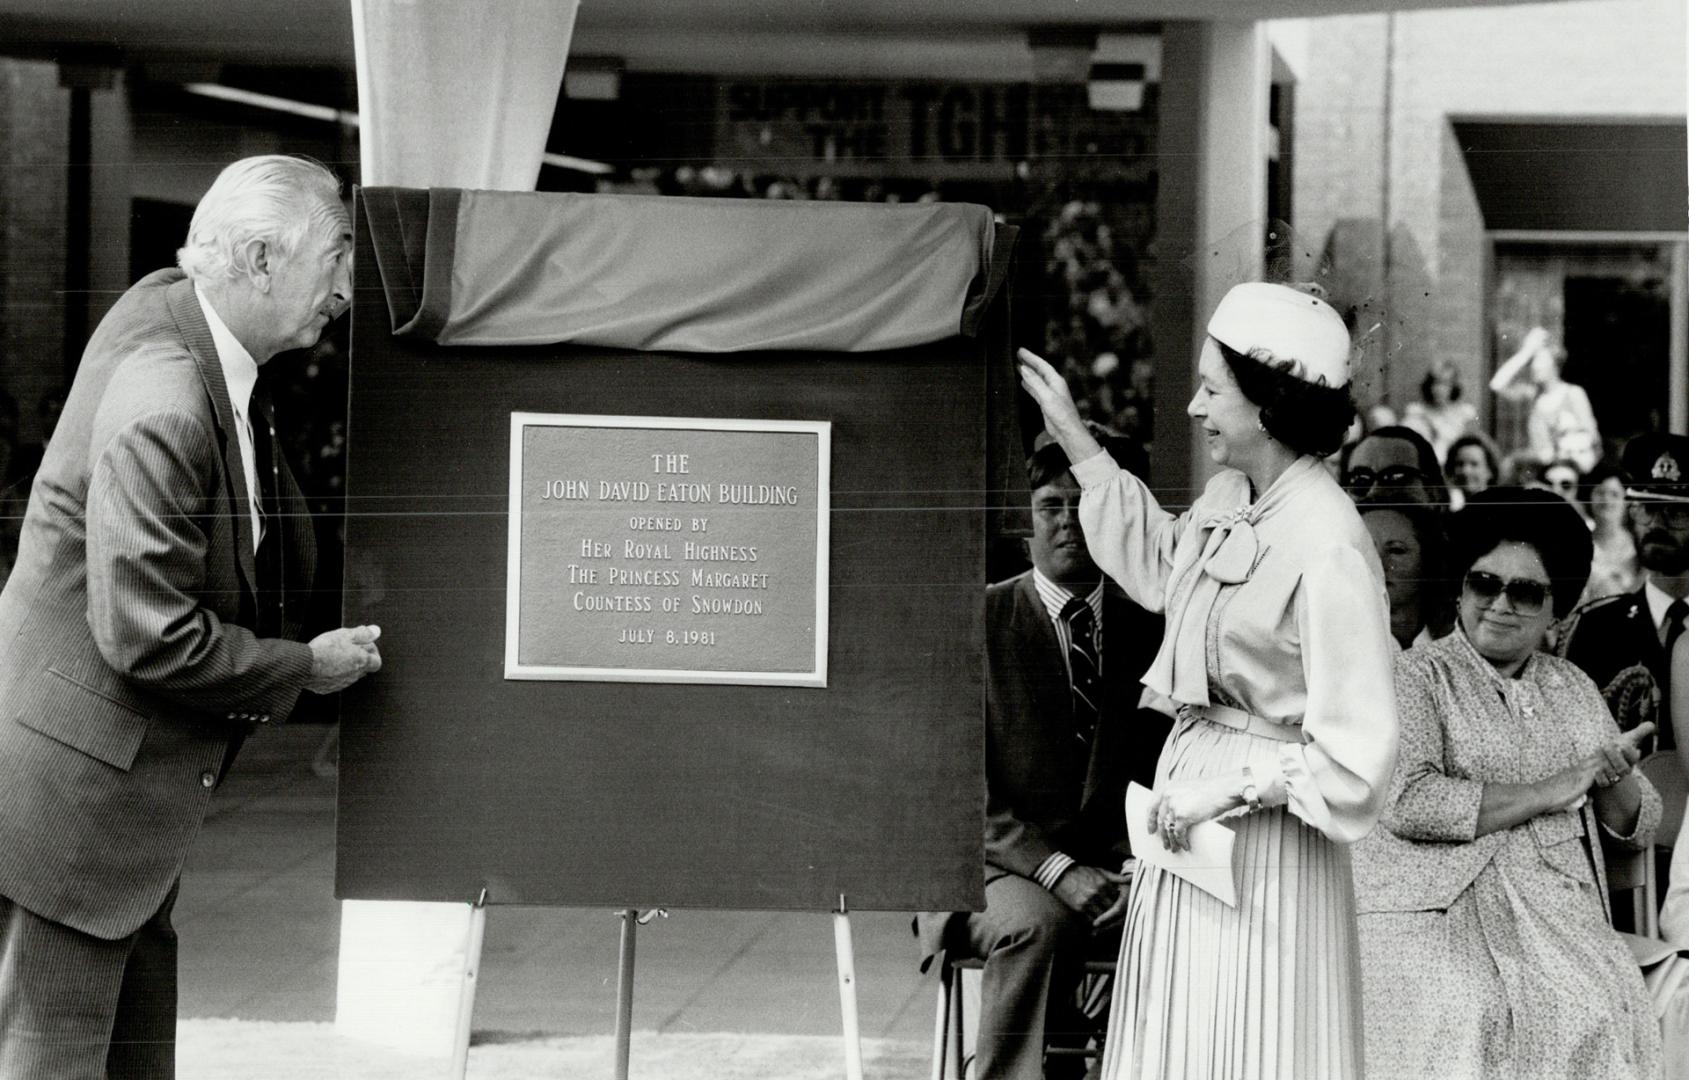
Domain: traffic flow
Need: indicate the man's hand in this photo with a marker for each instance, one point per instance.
(341, 657)
(1097, 894)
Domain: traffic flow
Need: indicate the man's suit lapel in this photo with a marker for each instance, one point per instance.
(1053, 692)
(1647, 634)
(190, 321)
(1046, 669)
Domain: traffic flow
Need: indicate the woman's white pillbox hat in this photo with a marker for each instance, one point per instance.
(1288, 323)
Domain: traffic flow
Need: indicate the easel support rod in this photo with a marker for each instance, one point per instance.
(847, 991)
(471, 974)
(624, 990)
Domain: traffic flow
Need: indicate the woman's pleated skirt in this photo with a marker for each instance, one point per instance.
(1268, 989)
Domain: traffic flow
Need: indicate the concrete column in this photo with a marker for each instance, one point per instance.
(110, 199)
(1210, 214)
(34, 130)
(97, 199)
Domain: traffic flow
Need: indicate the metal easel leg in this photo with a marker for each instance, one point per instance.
(624, 990)
(471, 975)
(847, 992)
(941, 1020)
(632, 920)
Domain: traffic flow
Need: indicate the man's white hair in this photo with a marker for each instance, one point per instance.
(274, 198)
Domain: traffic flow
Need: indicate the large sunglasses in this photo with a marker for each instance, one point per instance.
(1526, 596)
(1361, 480)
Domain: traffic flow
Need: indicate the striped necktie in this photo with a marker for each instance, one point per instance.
(1083, 667)
(272, 603)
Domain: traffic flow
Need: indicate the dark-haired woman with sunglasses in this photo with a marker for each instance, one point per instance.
(1278, 653)
(1486, 948)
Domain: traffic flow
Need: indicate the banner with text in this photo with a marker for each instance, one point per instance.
(956, 130)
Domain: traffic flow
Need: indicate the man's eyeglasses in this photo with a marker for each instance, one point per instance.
(1526, 596)
(1361, 480)
(1675, 515)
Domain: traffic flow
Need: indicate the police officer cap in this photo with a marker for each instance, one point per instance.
(1656, 466)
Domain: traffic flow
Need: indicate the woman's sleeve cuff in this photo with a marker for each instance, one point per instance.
(1097, 469)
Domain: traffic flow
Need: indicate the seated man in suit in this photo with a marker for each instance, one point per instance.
(1064, 735)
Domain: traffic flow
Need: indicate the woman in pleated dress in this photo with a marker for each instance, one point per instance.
(1278, 654)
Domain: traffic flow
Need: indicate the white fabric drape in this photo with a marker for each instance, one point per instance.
(455, 94)
(450, 94)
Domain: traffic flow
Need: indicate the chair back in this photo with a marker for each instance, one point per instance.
(1664, 769)
(1627, 869)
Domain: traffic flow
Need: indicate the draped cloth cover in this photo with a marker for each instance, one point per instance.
(681, 275)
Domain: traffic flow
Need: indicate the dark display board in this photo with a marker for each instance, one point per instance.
(454, 778)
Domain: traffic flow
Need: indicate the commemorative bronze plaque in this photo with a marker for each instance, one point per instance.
(662, 549)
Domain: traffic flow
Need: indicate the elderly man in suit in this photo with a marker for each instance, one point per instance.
(152, 619)
(1064, 735)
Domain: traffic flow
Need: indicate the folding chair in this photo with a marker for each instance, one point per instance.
(1633, 871)
(1664, 769)
(947, 1039)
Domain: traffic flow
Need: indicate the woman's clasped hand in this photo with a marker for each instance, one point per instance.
(1182, 803)
(1603, 767)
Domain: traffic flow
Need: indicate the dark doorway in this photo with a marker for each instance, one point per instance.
(1618, 348)
(156, 229)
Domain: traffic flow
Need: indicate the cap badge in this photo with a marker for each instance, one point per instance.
(1665, 468)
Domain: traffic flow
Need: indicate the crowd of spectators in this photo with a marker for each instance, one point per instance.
(1097, 320)
(1563, 455)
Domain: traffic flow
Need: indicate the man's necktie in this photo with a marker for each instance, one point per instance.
(269, 559)
(1083, 667)
(1675, 616)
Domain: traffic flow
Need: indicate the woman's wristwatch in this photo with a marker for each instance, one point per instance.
(1249, 793)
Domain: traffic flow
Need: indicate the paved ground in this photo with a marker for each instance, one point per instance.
(259, 929)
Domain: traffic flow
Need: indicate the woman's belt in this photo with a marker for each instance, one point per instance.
(1238, 720)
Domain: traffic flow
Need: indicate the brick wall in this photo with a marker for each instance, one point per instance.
(1600, 60)
(1458, 331)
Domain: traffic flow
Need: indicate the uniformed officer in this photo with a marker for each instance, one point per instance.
(1623, 641)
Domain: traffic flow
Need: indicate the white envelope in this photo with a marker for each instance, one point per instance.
(1207, 863)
